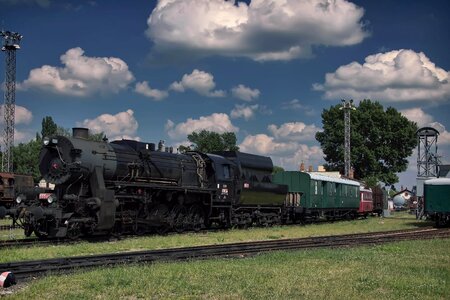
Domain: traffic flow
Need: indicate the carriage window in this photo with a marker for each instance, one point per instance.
(226, 171)
(315, 187)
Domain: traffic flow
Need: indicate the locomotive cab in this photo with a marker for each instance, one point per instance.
(227, 174)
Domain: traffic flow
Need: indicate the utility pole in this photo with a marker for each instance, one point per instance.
(11, 42)
(347, 106)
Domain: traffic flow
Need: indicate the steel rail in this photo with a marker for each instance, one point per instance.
(27, 269)
(16, 243)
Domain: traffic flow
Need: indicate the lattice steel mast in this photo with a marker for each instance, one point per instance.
(347, 106)
(11, 42)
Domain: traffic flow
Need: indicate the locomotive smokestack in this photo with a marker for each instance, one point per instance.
(80, 132)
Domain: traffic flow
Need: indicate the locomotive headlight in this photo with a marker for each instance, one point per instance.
(54, 141)
(50, 199)
(46, 141)
(19, 199)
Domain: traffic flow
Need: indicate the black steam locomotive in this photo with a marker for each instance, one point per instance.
(129, 186)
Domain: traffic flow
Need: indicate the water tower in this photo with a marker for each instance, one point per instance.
(427, 160)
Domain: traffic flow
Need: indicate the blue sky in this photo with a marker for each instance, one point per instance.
(264, 69)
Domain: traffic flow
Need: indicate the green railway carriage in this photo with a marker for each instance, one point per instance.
(437, 200)
(315, 196)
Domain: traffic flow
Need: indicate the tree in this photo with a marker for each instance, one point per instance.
(209, 141)
(277, 169)
(49, 127)
(26, 158)
(380, 141)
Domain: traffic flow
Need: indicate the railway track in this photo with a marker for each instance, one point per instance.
(28, 269)
(17, 243)
(8, 227)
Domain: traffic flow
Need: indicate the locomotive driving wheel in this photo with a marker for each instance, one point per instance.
(160, 213)
(178, 217)
(196, 218)
(73, 230)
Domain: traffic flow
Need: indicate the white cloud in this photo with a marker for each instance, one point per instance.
(23, 136)
(288, 155)
(243, 111)
(218, 122)
(81, 75)
(310, 155)
(144, 89)
(200, 82)
(417, 115)
(423, 119)
(122, 125)
(399, 75)
(294, 131)
(262, 30)
(266, 145)
(21, 115)
(245, 93)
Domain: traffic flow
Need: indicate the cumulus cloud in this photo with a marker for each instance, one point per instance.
(218, 122)
(262, 30)
(310, 155)
(21, 115)
(81, 75)
(423, 119)
(23, 136)
(144, 89)
(287, 145)
(288, 155)
(122, 125)
(399, 75)
(417, 115)
(198, 81)
(266, 145)
(244, 111)
(245, 93)
(294, 131)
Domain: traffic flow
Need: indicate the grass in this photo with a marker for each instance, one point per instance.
(403, 270)
(397, 221)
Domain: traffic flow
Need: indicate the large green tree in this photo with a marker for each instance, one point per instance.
(26, 158)
(49, 127)
(210, 141)
(381, 141)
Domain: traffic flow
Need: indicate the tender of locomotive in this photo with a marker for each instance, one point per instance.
(128, 186)
(314, 196)
(437, 200)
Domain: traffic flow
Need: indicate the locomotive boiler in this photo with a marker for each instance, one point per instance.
(129, 186)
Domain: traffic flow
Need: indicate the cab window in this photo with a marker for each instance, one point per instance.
(226, 171)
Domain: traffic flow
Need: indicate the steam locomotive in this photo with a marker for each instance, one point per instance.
(129, 186)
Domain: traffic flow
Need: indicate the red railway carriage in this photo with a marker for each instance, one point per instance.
(366, 203)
